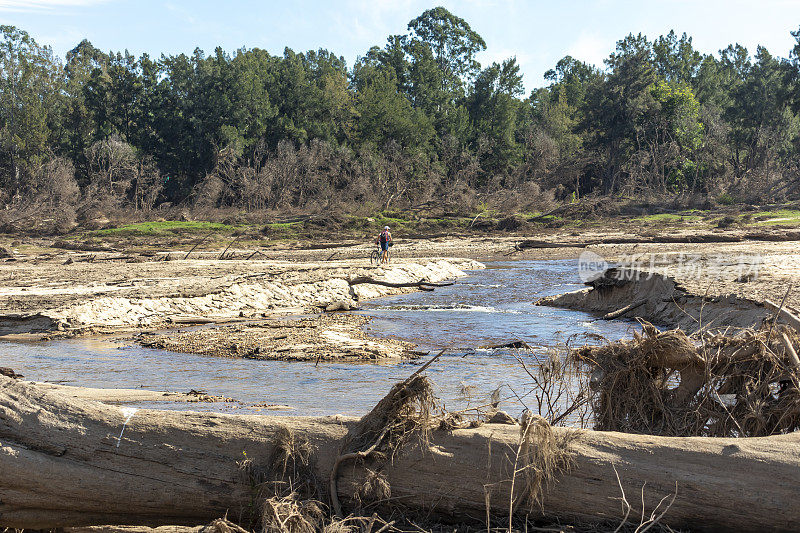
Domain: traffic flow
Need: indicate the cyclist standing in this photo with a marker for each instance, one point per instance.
(384, 240)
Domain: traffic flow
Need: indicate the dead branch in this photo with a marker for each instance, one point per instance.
(201, 241)
(619, 312)
(222, 255)
(784, 313)
(421, 284)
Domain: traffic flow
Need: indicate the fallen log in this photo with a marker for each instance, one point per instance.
(619, 312)
(421, 284)
(69, 462)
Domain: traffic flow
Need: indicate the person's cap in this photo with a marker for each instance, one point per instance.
(386, 227)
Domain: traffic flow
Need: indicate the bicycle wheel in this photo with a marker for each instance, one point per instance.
(374, 258)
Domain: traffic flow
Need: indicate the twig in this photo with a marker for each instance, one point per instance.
(791, 318)
(476, 218)
(655, 519)
(385, 527)
(426, 365)
(790, 350)
(254, 253)
(777, 314)
(619, 312)
(625, 505)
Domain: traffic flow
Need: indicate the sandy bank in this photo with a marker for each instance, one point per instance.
(119, 396)
(79, 297)
(660, 299)
(138, 396)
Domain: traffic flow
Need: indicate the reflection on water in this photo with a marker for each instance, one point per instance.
(493, 306)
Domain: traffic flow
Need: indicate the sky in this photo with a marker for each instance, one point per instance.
(537, 32)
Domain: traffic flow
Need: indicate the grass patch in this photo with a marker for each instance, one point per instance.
(669, 218)
(163, 228)
(282, 226)
(776, 217)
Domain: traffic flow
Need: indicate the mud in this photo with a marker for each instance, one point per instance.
(316, 338)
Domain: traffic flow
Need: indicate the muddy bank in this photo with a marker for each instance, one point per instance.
(316, 338)
(661, 300)
(93, 297)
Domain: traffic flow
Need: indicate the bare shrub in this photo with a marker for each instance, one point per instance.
(208, 192)
(55, 184)
(112, 168)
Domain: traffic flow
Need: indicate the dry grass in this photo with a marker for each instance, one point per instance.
(542, 454)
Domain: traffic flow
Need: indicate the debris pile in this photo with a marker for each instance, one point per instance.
(667, 383)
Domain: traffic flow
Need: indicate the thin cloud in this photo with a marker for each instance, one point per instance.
(21, 6)
(591, 49)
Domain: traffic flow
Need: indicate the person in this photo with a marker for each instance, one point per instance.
(384, 241)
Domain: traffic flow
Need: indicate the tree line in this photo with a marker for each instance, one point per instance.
(415, 120)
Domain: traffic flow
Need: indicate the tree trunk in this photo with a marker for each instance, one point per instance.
(69, 462)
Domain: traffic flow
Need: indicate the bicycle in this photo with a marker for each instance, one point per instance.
(375, 256)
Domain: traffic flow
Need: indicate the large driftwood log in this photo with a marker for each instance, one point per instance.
(70, 462)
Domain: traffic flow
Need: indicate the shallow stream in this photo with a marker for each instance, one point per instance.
(490, 307)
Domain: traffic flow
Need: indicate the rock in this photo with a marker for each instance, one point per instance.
(515, 345)
(339, 305)
(6, 252)
(5, 371)
(501, 417)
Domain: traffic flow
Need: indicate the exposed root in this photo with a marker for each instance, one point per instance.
(401, 414)
(375, 487)
(290, 514)
(664, 383)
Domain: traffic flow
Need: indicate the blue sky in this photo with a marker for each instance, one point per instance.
(537, 32)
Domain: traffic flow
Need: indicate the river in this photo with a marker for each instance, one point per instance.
(492, 306)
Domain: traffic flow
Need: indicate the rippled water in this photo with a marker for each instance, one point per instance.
(492, 306)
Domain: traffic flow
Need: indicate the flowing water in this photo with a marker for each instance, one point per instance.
(490, 307)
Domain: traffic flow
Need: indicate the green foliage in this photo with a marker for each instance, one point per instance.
(163, 228)
(31, 83)
(681, 110)
(454, 45)
(415, 121)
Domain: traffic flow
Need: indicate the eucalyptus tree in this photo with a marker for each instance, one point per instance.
(31, 100)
